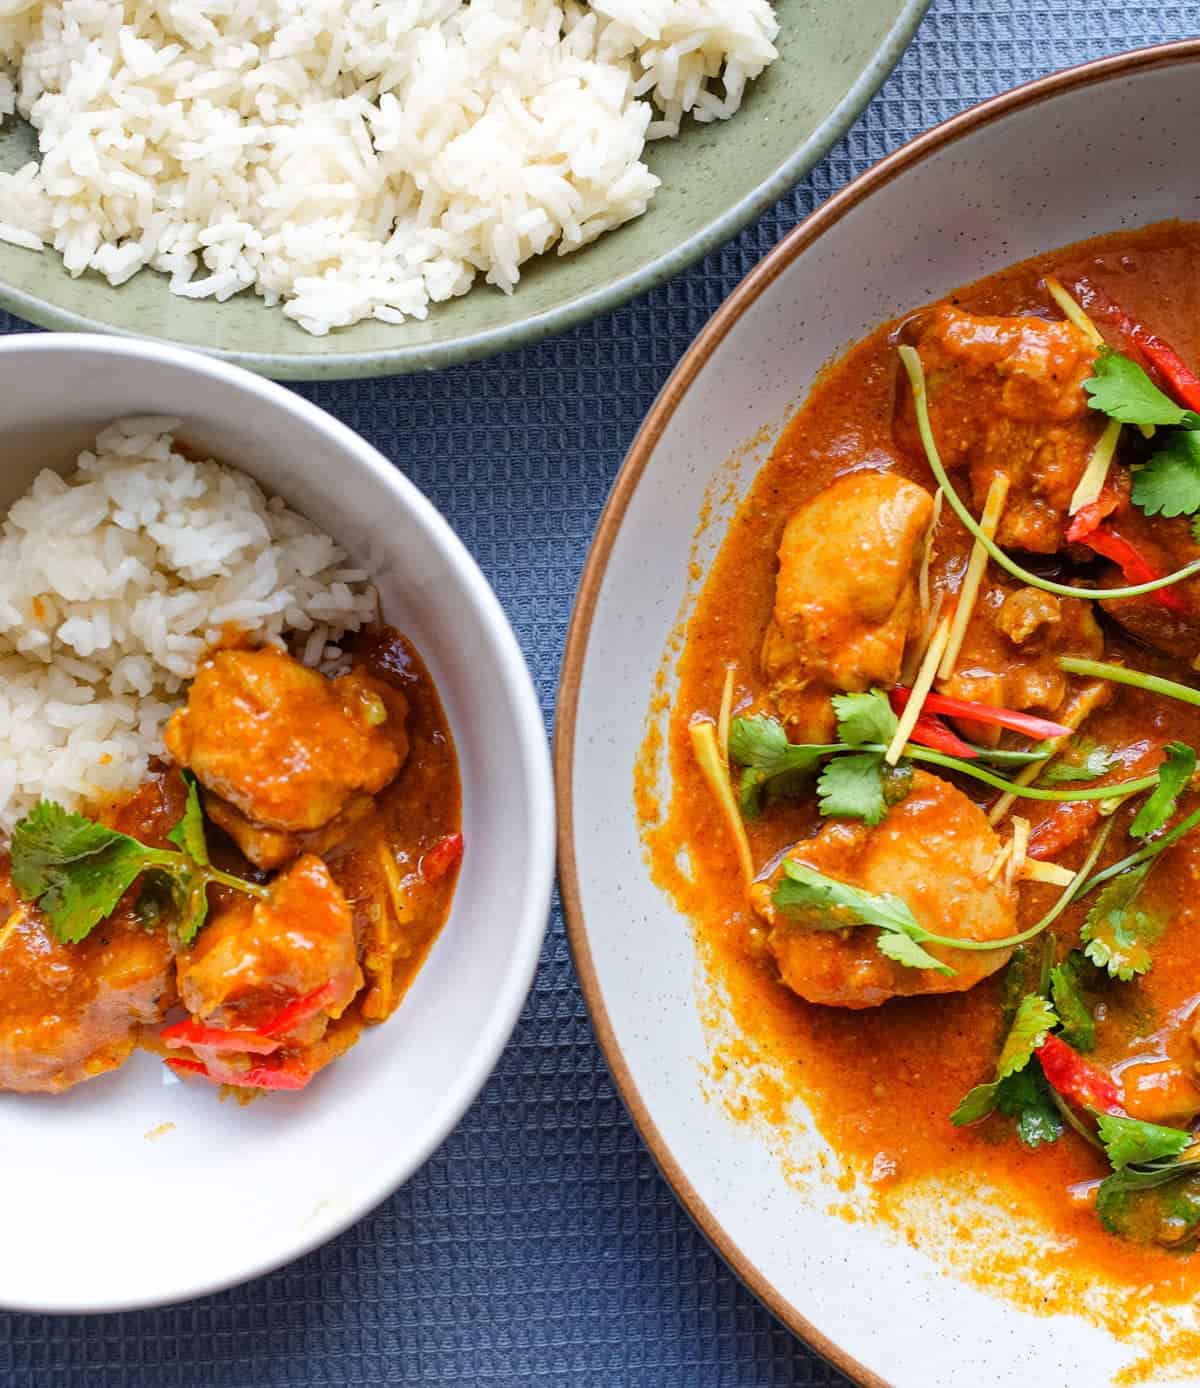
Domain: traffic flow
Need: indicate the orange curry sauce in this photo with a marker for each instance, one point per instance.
(882, 1082)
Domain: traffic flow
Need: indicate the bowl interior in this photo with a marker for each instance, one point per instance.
(1040, 172)
(251, 1186)
(832, 57)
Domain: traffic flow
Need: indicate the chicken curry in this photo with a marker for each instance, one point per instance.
(280, 877)
(933, 753)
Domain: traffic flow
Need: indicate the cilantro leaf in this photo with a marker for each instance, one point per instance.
(1033, 1023)
(49, 837)
(975, 1104)
(1085, 761)
(1174, 772)
(1078, 1023)
(77, 870)
(1128, 1140)
(1027, 1097)
(1122, 390)
(1163, 1210)
(189, 832)
(827, 904)
(1028, 972)
(1169, 484)
(864, 717)
(760, 742)
(903, 949)
(852, 788)
(190, 894)
(771, 764)
(1118, 932)
(838, 905)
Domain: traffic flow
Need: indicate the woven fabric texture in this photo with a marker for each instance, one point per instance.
(540, 1245)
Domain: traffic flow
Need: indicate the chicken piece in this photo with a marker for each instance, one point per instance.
(71, 1012)
(1006, 396)
(272, 848)
(253, 958)
(845, 597)
(933, 850)
(1160, 1091)
(1009, 656)
(284, 746)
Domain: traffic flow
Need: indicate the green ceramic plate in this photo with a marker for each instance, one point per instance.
(833, 56)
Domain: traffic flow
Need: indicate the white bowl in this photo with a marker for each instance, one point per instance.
(98, 1216)
(1072, 156)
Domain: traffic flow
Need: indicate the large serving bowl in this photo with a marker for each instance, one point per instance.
(95, 1215)
(1088, 151)
(716, 178)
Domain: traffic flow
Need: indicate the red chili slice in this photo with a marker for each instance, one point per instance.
(1037, 728)
(442, 858)
(1134, 565)
(290, 1017)
(930, 731)
(291, 1074)
(1156, 353)
(195, 1034)
(1076, 1079)
(184, 1066)
(1087, 518)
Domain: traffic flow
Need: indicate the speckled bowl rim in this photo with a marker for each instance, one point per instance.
(335, 366)
(821, 222)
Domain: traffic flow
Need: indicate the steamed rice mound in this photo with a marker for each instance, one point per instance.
(352, 159)
(113, 583)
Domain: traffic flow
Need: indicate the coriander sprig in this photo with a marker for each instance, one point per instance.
(78, 870)
(1035, 1019)
(760, 745)
(829, 904)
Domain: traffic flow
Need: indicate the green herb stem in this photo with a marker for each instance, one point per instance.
(239, 884)
(1073, 1121)
(1151, 850)
(176, 863)
(916, 375)
(1067, 896)
(989, 778)
(1136, 679)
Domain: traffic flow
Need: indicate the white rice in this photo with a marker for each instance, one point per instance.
(352, 158)
(114, 581)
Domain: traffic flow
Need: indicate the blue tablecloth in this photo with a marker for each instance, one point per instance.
(540, 1245)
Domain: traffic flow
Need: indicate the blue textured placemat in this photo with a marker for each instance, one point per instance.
(540, 1243)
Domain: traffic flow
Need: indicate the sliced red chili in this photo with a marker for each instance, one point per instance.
(291, 1074)
(195, 1034)
(930, 731)
(301, 1010)
(442, 858)
(1027, 723)
(1087, 518)
(1076, 1079)
(1155, 352)
(1134, 565)
(187, 1067)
